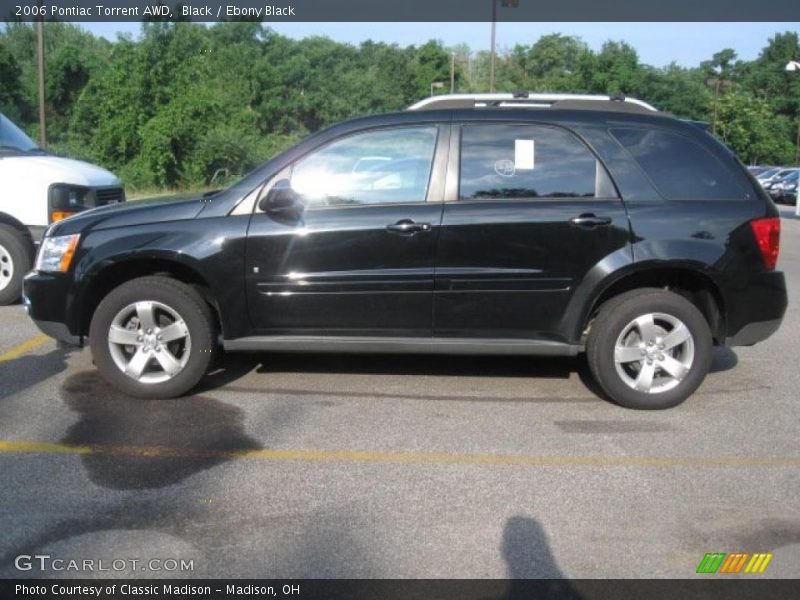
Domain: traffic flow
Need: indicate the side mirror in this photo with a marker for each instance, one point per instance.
(281, 198)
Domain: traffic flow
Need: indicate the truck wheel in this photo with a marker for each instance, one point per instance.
(16, 259)
(153, 337)
(649, 349)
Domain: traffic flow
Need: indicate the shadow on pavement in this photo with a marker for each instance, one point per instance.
(724, 359)
(178, 437)
(527, 553)
(29, 370)
(411, 364)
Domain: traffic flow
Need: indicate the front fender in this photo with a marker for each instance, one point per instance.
(212, 250)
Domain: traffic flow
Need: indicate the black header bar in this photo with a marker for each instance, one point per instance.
(706, 587)
(276, 11)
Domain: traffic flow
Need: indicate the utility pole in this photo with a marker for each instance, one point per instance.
(40, 44)
(718, 84)
(494, 45)
(505, 4)
(452, 72)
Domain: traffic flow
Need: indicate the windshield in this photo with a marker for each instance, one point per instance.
(12, 136)
(791, 177)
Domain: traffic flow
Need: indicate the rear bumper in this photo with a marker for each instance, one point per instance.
(759, 310)
(752, 333)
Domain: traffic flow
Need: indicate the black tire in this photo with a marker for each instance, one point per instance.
(612, 321)
(184, 301)
(16, 259)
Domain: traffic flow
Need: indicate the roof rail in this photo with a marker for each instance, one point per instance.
(529, 100)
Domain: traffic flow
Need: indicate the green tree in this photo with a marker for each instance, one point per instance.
(748, 125)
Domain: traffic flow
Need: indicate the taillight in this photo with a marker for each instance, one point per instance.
(768, 236)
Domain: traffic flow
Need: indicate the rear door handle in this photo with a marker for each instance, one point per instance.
(408, 227)
(590, 221)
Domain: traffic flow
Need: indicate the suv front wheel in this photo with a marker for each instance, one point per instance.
(153, 337)
(649, 349)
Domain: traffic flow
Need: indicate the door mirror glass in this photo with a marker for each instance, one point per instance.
(281, 198)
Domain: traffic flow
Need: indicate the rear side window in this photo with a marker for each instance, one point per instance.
(500, 161)
(679, 168)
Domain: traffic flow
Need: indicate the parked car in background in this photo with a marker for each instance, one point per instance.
(756, 170)
(785, 190)
(766, 175)
(777, 178)
(36, 190)
(777, 175)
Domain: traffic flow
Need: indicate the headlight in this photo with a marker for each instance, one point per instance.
(66, 199)
(55, 253)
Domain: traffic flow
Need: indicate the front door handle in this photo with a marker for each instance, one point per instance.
(408, 227)
(590, 221)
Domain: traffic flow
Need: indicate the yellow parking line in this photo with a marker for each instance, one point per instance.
(24, 347)
(29, 447)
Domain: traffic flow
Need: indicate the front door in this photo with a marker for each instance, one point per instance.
(358, 257)
(535, 211)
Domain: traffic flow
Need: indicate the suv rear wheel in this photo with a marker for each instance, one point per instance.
(15, 260)
(649, 349)
(153, 337)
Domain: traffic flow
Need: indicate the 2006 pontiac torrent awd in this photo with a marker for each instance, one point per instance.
(482, 224)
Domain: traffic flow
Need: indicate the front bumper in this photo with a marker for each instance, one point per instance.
(46, 297)
(59, 332)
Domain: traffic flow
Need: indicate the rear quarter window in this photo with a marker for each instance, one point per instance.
(678, 167)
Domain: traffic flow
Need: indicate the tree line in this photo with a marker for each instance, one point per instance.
(185, 105)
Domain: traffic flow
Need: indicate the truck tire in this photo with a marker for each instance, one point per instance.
(16, 259)
(153, 337)
(649, 349)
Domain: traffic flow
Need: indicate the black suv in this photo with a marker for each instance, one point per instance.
(489, 224)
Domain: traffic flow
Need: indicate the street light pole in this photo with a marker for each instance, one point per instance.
(792, 66)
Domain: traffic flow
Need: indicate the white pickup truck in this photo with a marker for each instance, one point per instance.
(37, 189)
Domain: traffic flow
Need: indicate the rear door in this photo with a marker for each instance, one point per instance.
(532, 212)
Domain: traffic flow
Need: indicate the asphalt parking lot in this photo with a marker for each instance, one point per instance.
(398, 466)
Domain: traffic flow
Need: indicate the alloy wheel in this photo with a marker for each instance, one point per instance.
(149, 342)
(654, 353)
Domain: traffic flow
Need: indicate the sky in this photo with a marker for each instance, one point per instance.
(658, 44)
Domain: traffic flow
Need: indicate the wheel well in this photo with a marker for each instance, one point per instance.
(115, 275)
(6, 219)
(696, 287)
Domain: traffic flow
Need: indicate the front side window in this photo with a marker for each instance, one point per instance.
(679, 168)
(504, 161)
(378, 167)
